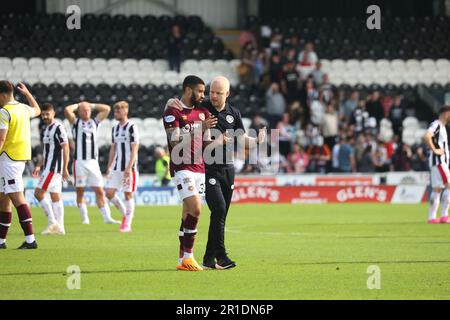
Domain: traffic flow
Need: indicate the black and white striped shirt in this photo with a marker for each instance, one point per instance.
(85, 136)
(124, 137)
(440, 141)
(53, 138)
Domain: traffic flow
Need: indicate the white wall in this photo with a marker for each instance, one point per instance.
(215, 13)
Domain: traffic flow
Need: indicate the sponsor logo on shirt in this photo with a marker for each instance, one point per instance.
(169, 119)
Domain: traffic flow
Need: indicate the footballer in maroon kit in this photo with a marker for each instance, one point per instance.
(184, 131)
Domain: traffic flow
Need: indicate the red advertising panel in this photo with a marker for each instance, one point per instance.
(255, 181)
(311, 194)
(344, 180)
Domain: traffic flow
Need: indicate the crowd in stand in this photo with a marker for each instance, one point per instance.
(323, 129)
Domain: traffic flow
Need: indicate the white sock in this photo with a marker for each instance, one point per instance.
(2, 241)
(119, 204)
(45, 204)
(180, 260)
(30, 238)
(188, 255)
(83, 211)
(445, 203)
(129, 204)
(58, 209)
(435, 198)
(106, 212)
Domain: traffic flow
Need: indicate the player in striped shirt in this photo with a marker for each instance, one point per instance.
(56, 159)
(122, 173)
(86, 169)
(437, 140)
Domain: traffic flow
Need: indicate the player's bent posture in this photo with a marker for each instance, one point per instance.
(122, 173)
(185, 131)
(437, 141)
(55, 162)
(86, 169)
(15, 150)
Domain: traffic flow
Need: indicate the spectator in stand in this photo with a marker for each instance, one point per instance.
(258, 123)
(294, 43)
(174, 47)
(330, 125)
(307, 60)
(397, 114)
(290, 83)
(276, 105)
(286, 135)
(288, 56)
(247, 37)
(297, 115)
(366, 163)
(317, 74)
(327, 89)
(374, 106)
(359, 118)
(261, 65)
(419, 160)
(381, 160)
(310, 93)
(346, 156)
(266, 34)
(298, 160)
(275, 42)
(402, 158)
(162, 166)
(275, 68)
(318, 110)
(319, 154)
(335, 153)
(349, 107)
(246, 69)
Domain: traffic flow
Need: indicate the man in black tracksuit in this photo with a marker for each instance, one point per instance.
(219, 177)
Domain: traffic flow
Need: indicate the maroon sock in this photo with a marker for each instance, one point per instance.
(190, 231)
(5, 223)
(26, 222)
(180, 237)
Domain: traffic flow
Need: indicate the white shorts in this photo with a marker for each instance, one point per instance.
(87, 173)
(190, 183)
(115, 181)
(11, 175)
(51, 182)
(440, 176)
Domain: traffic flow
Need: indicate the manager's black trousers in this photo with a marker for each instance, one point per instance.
(219, 190)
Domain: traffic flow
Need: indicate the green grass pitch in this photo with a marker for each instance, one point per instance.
(282, 252)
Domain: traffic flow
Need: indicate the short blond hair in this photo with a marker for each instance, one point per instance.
(121, 104)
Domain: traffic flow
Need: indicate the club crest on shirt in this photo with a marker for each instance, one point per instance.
(186, 128)
(230, 119)
(184, 117)
(201, 116)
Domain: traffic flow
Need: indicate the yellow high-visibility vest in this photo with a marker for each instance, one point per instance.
(18, 139)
